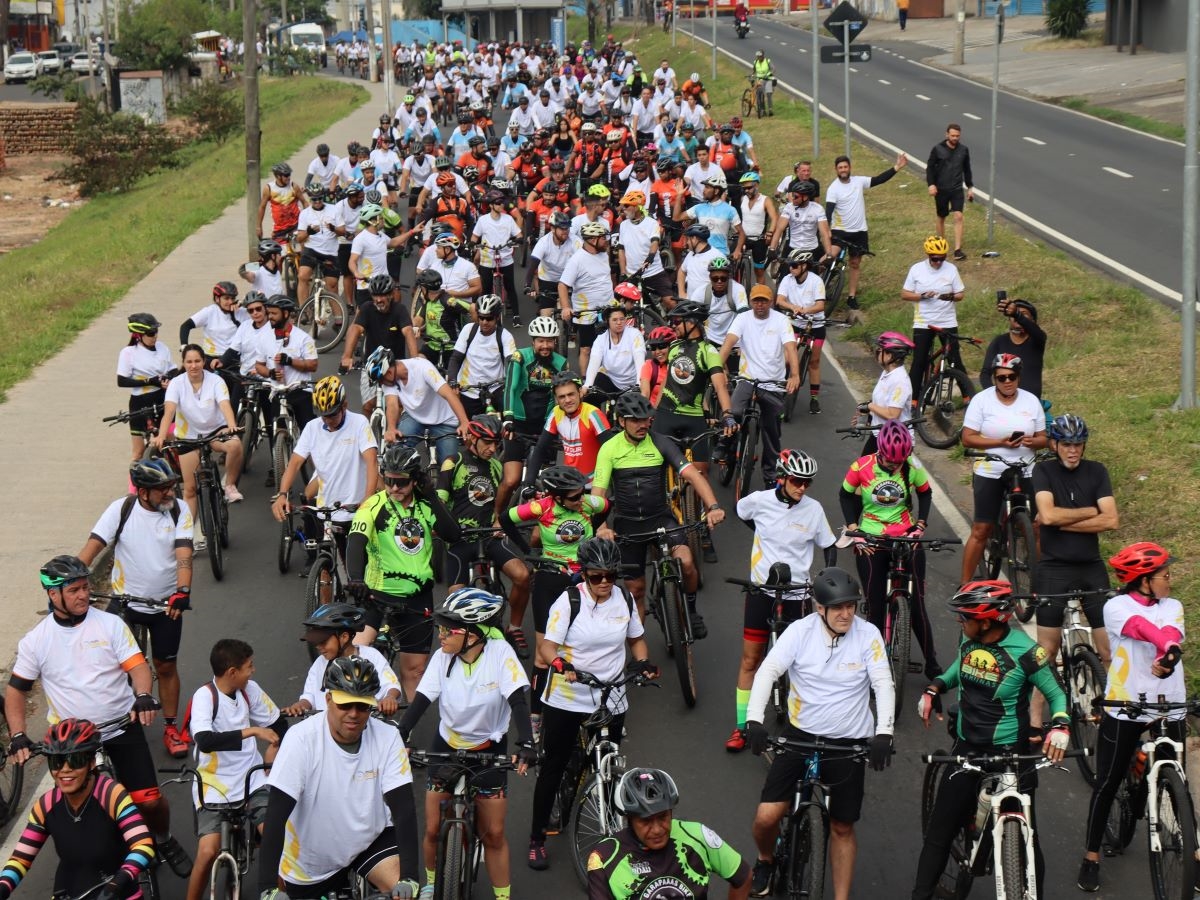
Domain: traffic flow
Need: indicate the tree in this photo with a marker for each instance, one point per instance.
(157, 34)
(297, 11)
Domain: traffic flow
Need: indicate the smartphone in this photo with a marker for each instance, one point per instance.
(1016, 435)
(1001, 296)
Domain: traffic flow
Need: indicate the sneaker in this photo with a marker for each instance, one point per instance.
(177, 858)
(516, 321)
(199, 543)
(699, 629)
(760, 880)
(736, 744)
(174, 742)
(852, 303)
(814, 405)
(537, 855)
(1089, 876)
(516, 637)
(426, 893)
(232, 494)
(959, 255)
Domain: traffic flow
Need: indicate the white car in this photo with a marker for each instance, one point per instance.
(22, 67)
(84, 64)
(51, 62)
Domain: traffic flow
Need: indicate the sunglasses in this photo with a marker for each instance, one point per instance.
(937, 259)
(397, 480)
(354, 707)
(250, 309)
(445, 631)
(796, 265)
(153, 333)
(798, 481)
(80, 760)
(487, 318)
(601, 577)
(1005, 379)
(718, 277)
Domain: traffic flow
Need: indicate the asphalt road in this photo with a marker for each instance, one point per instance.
(257, 604)
(1072, 176)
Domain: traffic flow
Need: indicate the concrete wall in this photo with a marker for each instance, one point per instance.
(1161, 25)
(28, 128)
(143, 94)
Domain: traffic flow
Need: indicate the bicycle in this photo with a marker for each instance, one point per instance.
(647, 313)
(738, 464)
(482, 572)
(324, 580)
(324, 315)
(12, 775)
(252, 416)
(507, 303)
(212, 509)
(999, 834)
(752, 98)
(147, 418)
(945, 392)
(459, 849)
(835, 275)
(684, 501)
(802, 328)
(1012, 545)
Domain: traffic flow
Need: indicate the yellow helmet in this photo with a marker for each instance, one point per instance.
(328, 396)
(936, 246)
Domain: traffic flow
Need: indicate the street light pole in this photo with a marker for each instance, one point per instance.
(714, 40)
(253, 136)
(1191, 206)
(816, 75)
(846, 71)
(991, 215)
(387, 69)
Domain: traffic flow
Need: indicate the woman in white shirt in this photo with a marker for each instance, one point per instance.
(619, 351)
(496, 231)
(892, 396)
(144, 367)
(197, 404)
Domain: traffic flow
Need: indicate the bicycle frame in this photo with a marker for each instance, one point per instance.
(1153, 774)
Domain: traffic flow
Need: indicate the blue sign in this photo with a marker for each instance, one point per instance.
(558, 34)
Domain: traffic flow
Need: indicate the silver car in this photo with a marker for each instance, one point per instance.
(84, 64)
(22, 67)
(51, 62)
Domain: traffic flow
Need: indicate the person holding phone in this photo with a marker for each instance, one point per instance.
(1006, 422)
(1024, 338)
(935, 286)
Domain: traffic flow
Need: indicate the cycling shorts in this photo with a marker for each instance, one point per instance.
(139, 402)
(133, 766)
(344, 260)
(1055, 577)
(673, 425)
(633, 553)
(409, 619)
(547, 587)
(165, 633)
(459, 556)
(208, 820)
(756, 622)
(380, 849)
(989, 495)
(660, 284)
(844, 777)
(484, 782)
(328, 263)
(757, 248)
(518, 448)
(585, 334)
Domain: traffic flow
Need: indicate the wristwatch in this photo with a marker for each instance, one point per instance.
(714, 507)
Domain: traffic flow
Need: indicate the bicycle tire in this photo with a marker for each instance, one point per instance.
(248, 422)
(1172, 869)
(689, 504)
(1013, 861)
(943, 407)
(587, 827)
(1122, 823)
(452, 850)
(747, 459)
(900, 641)
(1085, 681)
(806, 852)
(685, 660)
(1021, 553)
(747, 104)
(956, 878)
(224, 882)
(221, 512)
(726, 464)
(326, 325)
(287, 540)
(322, 571)
(833, 288)
(212, 531)
(281, 452)
(289, 276)
(12, 776)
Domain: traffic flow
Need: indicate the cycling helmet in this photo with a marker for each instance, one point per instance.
(503, 184)
(487, 305)
(750, 178)
(336, 617)
(558, 166)
(1135, 561)
(400, 460)
(614, 136)
(380, 360)
(797, 463)
(267, 248)
(281, 301)
(1028, 308)
(983, 600)
(800, 257)
(567, 376)
(1068, 429)
(588, 128)
(598, 192)
(936, 246)
(464, 118)
(895, 442)
(68, 736)
(328, 395)
(63, 570)
(471, 173)
(634, 198)
(665, 166)
(385, 119)
(494, 196)
(476, 140)
(351, 679)
(1006, 361)
(485, 426)
(632, 405)
(143, 323)
(660, 337)
(381, 285)
(835, 587)
(627, 290)
(599, 555)
(353, 189)
(803, 186)
(646, 792)
(718, 264)
(370, 212)
(594, 230)
(316, 193)
(559, 479)
(476, 106)
(253, 297)
(447, 240)
(697, 231)
(543, 327)
(445, 179)
(560, 220)
(469, 606)
(430, 280)
(152, 473)
(281, 169)
(669, 128)
(688, 310)
(443, 162)
(410, 98)
(894, 343)
(716, 181)
(373, 196)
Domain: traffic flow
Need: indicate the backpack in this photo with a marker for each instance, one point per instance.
(499, 340)
(185, 720)
(127, 511)
(576, 601)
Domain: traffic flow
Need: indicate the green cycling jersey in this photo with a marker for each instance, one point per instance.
(622, 869)
(390, 546)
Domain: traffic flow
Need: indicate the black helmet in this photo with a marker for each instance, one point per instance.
(560, 479)
(63, 570)
(385, 119)
(225, 289)
(599, 555)
(152, 473)
(805, 186)
(699, 231)
(281, 169)
(690, 310)
(281, 301)
(485, 426)
(560, 220)
(430, 280)
(316, 193)
(567, 376)
(632, 405)
(476, 140)
(353, 676)
(398, 459)
(336, 617)
(835, 587)
(142, 323)
(646, 792)
(381, 284)
(464, 118)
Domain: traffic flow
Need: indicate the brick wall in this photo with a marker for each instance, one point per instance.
(29, 128)
(3, 165)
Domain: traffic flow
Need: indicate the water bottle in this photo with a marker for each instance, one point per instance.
(984, 809)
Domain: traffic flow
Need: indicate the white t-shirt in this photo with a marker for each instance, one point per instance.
(347, 217)
(458, 275)
(783, 532)
(762, 342)
(589, 280)
(144, 559)
(197, 412)
(325, 173)
(473, 705)
(850, 208)
(721, 310)
(267, 282)
(893, 388)
(595, 643)
(139, 361)
(1129, 672)
(621, 361)
(297, 345)
(552, 257)
(83, 669)
(993, 419)
(695, 175)
(635, 241)
(372, 255)
(219, 326)
(337, 456)
(495, 231)
(803, 294)
(325, 219)
(419, 395)
(314, 692)
(803, 225)
(251, 343)
(923, 277)
(224, 771)
(340, 808)
(484, 356)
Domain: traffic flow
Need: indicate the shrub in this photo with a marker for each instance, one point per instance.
(112, 151)
(213, 109)
(1066, 18)
(63, 85)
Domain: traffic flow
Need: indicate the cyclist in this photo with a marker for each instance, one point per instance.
(759, 221)
(802, 223)
(721, 300)
(640, 253)
(634, 463)
(833, 661)
(268, 276)
(322, 170)
(1145, 625)
(460, 279)
(595, 209)
(91, 668)
(719, 216)
(877, 499)
(384, 322)
(802, 293)
(789, 527)
(935, 286)
(581, 428)
(657, 854)
(290, 359)
(369, 251)
(228, 716)
(349, 209)
(480, 690)
(480, 355)
(1007, 422)
(389, 557)
(497, 232)
(693, 270)
(619, 350)
(586, 286)
(144, 367)
(342, 796)
(996, 668)
(764, 74)
(286, 200)
(583, 633)
(103, 841)
(437, 316)
(846, 209)
(316, 232)
(548, 258)
(220, 321)
(151, 535)
(469, 484)
(418, 400)
(892, 392)
(653, 374)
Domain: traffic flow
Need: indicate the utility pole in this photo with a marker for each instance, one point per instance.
(104, 61)
(371, 40)
(714, 40)
(253, 135)
(846, 72)
(1191, 183)
(816, 79)
(991, 217)
(387, 70)
(960, 34)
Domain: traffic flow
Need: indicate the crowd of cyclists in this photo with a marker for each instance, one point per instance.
(557, 440)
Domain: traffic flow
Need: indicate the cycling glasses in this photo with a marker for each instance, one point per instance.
(601, 577)
(80, 760)
(572, 498)
(354, 707)
(446, 631)
(1005, 379)
(397, 480)
(799, 481)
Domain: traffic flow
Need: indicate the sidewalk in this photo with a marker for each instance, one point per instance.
(61, 464)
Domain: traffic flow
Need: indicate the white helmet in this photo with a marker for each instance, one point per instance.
(717, 181)
(543, 327)
(487, 305)
(797, 463)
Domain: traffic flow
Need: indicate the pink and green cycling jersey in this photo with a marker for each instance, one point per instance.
(885, 495)
(561, 529)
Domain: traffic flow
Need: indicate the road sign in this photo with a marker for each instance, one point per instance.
(844, 12)
(831, 53)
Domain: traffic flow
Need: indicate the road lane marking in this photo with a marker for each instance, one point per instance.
(1034, 141)
(1116, 172)
(884, 81)
(921, 97)
(854, 70)
(783, 43)
(973, 116)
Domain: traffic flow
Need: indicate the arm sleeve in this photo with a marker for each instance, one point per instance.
(211, 741)
(886, 175)
(518, 702)
(127, 381)
(456, 361)
(279, 808)
(768, 673)
(184, 330)
(882, 685)
(413, 714)
(931, 166)
(32, 839)
(444, 524)
(966, 167)
(924, 503)
(851, 504)
(356, 555)
(403, 808)
(134, 831)
(1139, 628)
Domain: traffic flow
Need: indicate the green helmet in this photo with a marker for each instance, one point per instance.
(718, 264)
(370, 212)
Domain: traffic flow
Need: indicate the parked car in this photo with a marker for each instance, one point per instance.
(85, 64)
(65, 51)
(22, 67)
(51, 62)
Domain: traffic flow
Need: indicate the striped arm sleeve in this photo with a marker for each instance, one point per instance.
(29, 844)
(136, 834)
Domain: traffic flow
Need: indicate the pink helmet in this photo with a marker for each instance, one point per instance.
(895, 442)
(895, 343)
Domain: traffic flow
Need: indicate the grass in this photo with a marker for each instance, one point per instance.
(1120, 117)
(1113, 354)
(1091, 37)
(52, 290)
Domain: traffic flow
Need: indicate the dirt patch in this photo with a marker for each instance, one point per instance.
(32, 201)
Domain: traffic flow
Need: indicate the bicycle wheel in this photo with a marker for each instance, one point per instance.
(287, 539)
(760, 103)
(1172, 868)
(1085, 682)
(320, 581)
(290, 276)
(747, 103)
(833, 289)
(690, 505)
(646, 319)
(12, 776)
(899, 641)
(748, 459)
(943, 407)
(1122, 822)
(281, 452)
(212, 530)
(325, 319)
(1014, 862)
(806, 855)
(685, 663)
(789, 402)
(1022, 553)
(452, 850)
(224, 879)
(590, 825)
(956, 878)
(248, 422)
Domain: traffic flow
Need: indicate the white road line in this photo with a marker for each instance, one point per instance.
(1034, 141)
(921, 97)
(884, 81)
(1116, 172)
(973, 116)
(854, 70)
(802, 50)
(783, 43)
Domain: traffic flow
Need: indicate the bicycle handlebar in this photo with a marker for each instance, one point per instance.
(660, 532)
(325, 512)
(463, 758)
(1009, 759)
(122, 601)
(1133, 708)
(992, 457)
(771, 588)
(1044, 599)
(857, 430)
(188, 773)
(196, 442)
(820, 745)
(149, 412)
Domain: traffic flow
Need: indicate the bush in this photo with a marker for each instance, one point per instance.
(112, 151)
(64, 86)
(1066, 18)
(213, 109)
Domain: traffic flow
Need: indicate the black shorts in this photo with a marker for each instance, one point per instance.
(547, 587)
(756, 622)
(414, 194)
(410, 619)
(661, 284)
(1054, 577)
(139, 402)
(520, 445)
(633, 553)
(165, 633)
(133, 766)
(857, 238)
(757, 247)
(362, 297)
(672, 424)
(484, 780)
(585, 334)
(380, 849)
(328, 264)
(459, 556)
(989, 495)
(843, 777)
(344, 260)
(945, 201)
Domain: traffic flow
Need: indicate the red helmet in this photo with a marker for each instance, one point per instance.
(71, 736)
(627, 290)
(663, 334)
(1006, 361)
(983, 600)
(1136, 560)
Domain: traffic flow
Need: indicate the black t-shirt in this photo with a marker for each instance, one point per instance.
(385, 329)
(1075, 488)
(1031, 353)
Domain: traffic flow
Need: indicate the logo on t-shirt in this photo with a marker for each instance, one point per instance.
(569, 532)
(711, 837)
(410, 536)
(981, 665)
(887, 493)
(667, 887)
(481, 490)
(683, 369)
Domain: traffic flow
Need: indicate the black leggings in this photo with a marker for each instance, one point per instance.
(873, 571)
(560, 736)
(487, 277)
(547, 587)
(923, 338)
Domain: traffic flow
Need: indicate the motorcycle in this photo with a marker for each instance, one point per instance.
(742, 27)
